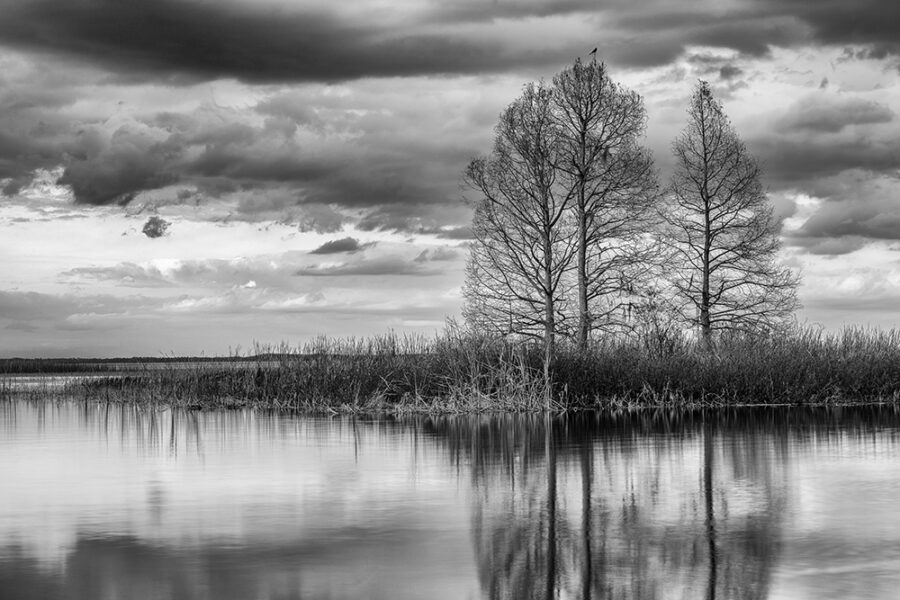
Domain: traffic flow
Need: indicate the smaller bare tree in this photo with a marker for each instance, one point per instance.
(722, 234)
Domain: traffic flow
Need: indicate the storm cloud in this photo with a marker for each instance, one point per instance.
(824, 114)
(183, 41)
(353, 154)
(367, 149)
(867, 209)
(186, 41)
(824, 134)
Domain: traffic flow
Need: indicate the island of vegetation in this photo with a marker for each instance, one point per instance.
(590, 285)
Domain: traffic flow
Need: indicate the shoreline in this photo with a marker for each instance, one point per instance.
(459, 372)
(374, 408)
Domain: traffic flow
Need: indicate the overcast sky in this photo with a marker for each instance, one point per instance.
(308, 154)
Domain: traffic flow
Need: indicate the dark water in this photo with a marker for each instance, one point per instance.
(108, 502)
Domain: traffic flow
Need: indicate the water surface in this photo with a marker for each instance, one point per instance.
(114, 501)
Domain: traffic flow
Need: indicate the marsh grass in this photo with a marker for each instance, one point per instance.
(38, 387)
(454, 372)
(804, 366)
(458, 371)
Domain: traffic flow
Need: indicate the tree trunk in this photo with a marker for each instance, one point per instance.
(548, 347)
(705, 327)
(584, 318)
(549, 317)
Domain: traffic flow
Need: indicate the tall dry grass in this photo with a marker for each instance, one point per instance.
(460, 371)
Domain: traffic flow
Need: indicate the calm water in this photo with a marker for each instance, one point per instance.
(107, 502)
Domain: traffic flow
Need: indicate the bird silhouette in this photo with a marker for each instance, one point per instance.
(593, 53)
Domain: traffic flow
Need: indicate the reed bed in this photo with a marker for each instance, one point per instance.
(799, 367)
(458, 371)
(451, 373)
(38, 387)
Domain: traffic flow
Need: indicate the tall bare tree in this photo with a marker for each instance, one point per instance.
(522, 248)
(613, 186)
(721, 229)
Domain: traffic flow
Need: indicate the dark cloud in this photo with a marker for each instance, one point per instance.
(646, 35)
(103, 171)
(27, 143)
(728, 72)
(476, 11)
(34, 130)
(829, 113)
(307, 156)
(825, 142)
(216, 145)
(802, 161)
(871, 22)
(854, 218)
(784, 206)
(287, 206)
(347, 245)
(863, 208)
(185, 41)
(254, 156)
(15, 184)
(274, 167)
(754, 26)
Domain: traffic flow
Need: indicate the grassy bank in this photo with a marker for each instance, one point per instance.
(463, 372)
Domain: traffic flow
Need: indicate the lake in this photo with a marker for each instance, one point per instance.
(107, 501)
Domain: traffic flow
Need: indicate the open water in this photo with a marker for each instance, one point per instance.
(106, 501)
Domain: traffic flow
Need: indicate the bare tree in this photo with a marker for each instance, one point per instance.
(721, 230)
(522, 248)
(613, 185)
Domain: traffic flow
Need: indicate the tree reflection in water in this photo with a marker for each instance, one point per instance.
(636, 506)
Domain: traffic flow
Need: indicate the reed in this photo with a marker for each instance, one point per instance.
(460, 371)
(37, 387)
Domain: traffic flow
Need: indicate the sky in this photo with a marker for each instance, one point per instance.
(308, 155)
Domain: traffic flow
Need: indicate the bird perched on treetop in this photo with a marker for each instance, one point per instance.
(593, 53)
